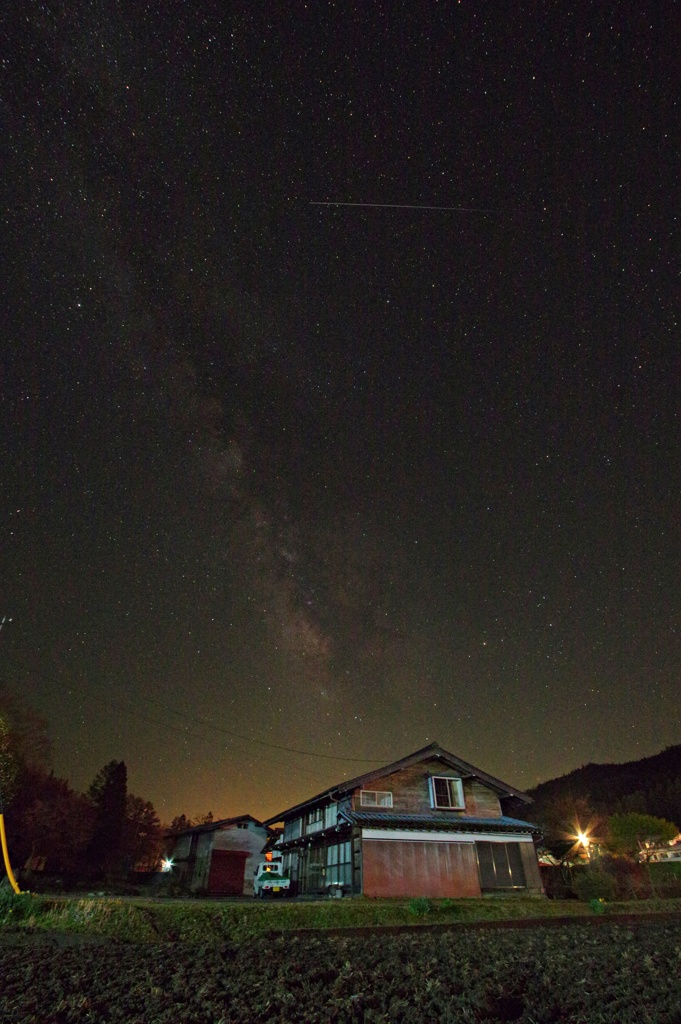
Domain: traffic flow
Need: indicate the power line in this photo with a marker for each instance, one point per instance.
(133, 710)
(263, 743)
(240, 736)
(229, 732)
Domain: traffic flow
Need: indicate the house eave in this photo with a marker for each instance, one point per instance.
(309, 838)
(413, 823)
(440, 823)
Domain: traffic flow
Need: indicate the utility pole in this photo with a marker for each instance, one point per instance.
(3, 836)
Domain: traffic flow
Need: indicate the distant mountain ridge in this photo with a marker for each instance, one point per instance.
(651, 785)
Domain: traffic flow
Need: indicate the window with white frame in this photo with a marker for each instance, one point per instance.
(315, 820)
(331, 815)
(375, 798)
(446, 793)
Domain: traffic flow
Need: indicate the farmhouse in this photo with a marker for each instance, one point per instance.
(219, 858)
(427, 825)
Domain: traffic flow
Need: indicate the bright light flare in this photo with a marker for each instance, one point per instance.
(583, 840)
(167, 864)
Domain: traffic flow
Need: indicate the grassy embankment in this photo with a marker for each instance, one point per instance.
(205, 922)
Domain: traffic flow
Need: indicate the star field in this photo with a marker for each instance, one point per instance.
(340, 479)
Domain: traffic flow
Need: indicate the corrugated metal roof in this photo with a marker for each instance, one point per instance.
(439, 822)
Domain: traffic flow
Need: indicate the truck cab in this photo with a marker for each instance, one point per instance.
(270, 879)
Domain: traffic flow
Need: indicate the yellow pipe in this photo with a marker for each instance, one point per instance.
(5, 854)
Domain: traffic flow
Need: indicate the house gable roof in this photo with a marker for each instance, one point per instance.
(433, 750)
(223, 823)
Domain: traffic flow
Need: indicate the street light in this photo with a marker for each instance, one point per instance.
(584, 841)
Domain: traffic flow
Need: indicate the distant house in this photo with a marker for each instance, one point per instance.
(219, 858)
(427, 825)
(665, 853)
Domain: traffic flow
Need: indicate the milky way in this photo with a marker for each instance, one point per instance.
(282, 472)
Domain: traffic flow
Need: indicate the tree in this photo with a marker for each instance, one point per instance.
(23, 742)
(204, 819)
(664, 800)
(108, 793)
(564, 819)
(632, 835)
(179, 823)
(9, 767)
(48, 821)
(142, 835)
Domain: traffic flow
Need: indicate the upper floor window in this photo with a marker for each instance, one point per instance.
(292, 829)
(375, 798)
(446, 793)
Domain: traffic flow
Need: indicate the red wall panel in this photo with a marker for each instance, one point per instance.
(416, 868)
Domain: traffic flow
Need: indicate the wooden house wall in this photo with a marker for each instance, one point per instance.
(199, 879)
(411, 793)
(180, 851)
(181, 847)
(481, 801)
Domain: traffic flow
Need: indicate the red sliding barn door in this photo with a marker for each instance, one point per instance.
(227, 869)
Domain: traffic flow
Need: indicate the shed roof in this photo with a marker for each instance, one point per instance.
(223, 823)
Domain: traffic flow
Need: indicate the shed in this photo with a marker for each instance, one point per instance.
(219, 858)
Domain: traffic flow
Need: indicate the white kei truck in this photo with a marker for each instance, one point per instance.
(270, 880)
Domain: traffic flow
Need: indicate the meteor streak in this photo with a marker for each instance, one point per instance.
(405, 206)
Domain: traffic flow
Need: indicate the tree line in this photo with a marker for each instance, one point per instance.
(104, 833)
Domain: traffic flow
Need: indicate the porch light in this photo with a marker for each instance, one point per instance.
(167, 864)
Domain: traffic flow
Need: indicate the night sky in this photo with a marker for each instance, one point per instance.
(290, 490)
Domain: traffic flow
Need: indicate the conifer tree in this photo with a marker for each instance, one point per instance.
(108, 793)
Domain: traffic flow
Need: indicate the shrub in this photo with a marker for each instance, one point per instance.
(667, 880)
(594, 885)
(15, 907)
(557, 883)
(420, 906)
(170, 886)
(632, 880)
